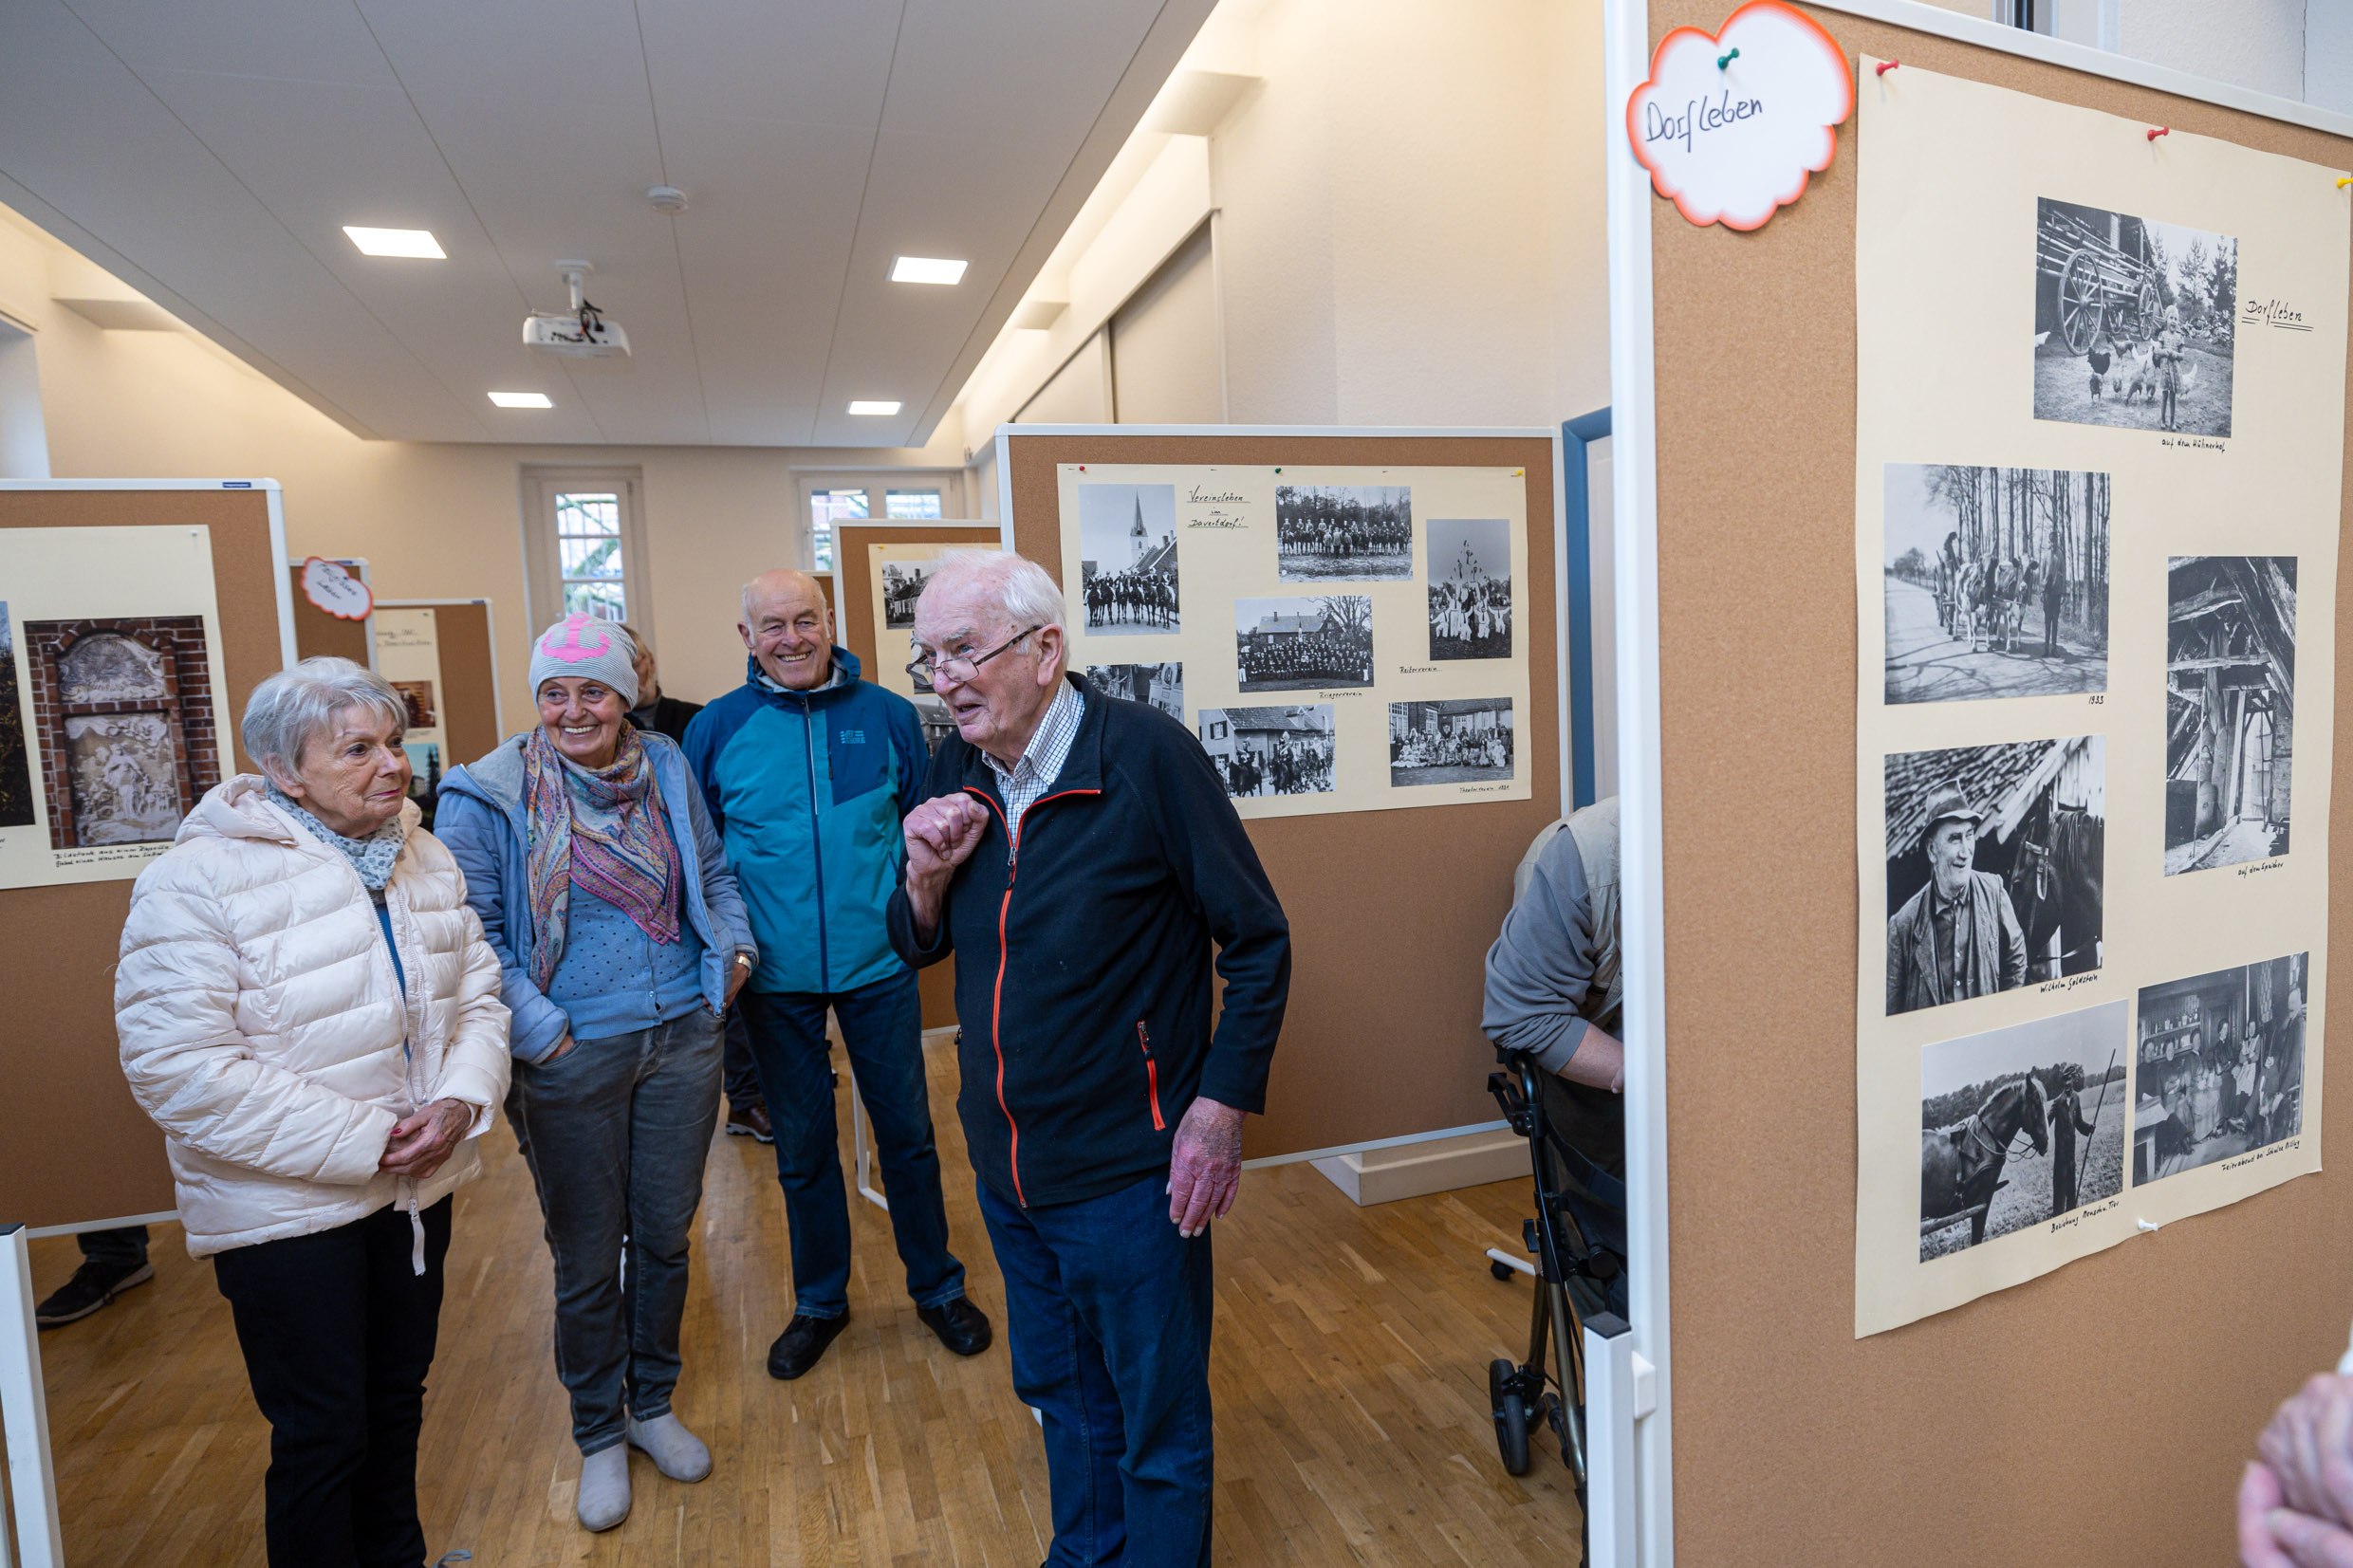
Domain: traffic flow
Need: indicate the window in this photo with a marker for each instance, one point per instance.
(589, 555)
(826, 507)
(584, 545)
(829, 500)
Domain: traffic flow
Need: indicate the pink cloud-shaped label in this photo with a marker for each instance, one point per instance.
(1732, 127)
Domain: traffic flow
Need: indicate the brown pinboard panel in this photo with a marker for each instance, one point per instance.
(856, 628)
(1391, 912)
(76, 1147)
(317, 634)
(468, 680)
(2096, 1416)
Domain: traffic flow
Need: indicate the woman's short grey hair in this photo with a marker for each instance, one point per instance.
(290, 709)
(1013, 584)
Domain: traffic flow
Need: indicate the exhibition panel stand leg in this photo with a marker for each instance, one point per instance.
(25, 1413)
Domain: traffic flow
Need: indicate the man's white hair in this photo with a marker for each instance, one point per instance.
(1014, 584)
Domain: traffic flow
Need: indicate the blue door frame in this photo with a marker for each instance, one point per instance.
(1577, 522)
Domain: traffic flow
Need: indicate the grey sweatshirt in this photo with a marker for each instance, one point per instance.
(1555, 966)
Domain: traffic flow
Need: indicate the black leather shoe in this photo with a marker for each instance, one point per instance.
(961, 1326)
(93, 1285)
(803, 1343)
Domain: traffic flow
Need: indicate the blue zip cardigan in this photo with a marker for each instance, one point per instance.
(806, 789)
(481, 819)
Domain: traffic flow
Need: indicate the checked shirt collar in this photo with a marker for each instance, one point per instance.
(1028, 780)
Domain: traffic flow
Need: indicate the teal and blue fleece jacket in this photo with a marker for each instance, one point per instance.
(806, 789)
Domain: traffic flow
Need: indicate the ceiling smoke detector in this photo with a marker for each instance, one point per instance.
(667, 199)
(585, 334)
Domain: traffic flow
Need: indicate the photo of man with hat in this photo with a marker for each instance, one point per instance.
(1958, 936)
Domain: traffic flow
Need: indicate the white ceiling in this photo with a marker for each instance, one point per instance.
(209, 152)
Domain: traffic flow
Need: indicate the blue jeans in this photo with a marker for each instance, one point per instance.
(615, 1132)
(882, 1027)
(1108, 1310)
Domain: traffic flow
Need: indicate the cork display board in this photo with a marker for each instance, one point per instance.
(80, 1149)
(318, 633)
(2099, 1415)
(856, 627)
(1391, 912)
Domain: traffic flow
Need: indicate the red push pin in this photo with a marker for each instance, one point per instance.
(1886, 65)
(2158, 130)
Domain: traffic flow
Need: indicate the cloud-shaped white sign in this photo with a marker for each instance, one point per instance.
(332, 586)
(1730, 126)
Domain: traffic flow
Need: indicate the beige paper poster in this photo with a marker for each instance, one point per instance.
(1340, 639)
(2098, 444)
(897, 573)
(112, 723)
(408, 654)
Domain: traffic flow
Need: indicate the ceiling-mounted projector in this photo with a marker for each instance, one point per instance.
(585, 334)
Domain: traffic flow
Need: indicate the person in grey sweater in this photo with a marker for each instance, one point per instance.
(1555, 992)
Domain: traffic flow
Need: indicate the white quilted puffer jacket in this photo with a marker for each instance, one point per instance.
(263, 1030)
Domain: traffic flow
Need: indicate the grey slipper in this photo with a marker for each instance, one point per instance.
(676, 1452)
(604, 1487)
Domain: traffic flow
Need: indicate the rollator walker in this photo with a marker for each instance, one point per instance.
(1573, 1279)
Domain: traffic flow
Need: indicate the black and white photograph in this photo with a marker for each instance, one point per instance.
(1160, 685)
(1996, 583)
(2133, 320)
(2229, 709)
(2221, 1066)
(15, 762)
(1469, 588)
(1261, 751)
(1301, 644)
(1127, 558)
(2022, 1125)
(1344, 533)
(1467, 740)
(1996, 868)
(902, 584)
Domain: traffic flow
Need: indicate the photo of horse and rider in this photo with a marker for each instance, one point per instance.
(2020, 1126)
(2221, 1066)
(2135, 321)
(1128, 559)
(1996, 868)
(1995, 582)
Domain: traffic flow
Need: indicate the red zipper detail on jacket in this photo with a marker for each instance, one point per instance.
(1151, 1076)
(996, 1000)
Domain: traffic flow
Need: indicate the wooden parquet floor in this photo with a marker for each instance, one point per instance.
(1349, 1373)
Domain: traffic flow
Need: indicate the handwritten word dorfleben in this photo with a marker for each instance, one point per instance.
(1699, 115)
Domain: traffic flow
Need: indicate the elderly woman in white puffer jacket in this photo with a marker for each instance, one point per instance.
(309, 1011)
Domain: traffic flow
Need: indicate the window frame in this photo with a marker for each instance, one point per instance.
(542, 571)
(876, 484)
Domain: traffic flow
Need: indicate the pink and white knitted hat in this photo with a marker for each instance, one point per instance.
(582, 645)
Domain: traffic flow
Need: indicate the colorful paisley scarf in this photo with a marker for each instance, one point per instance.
(604, 830)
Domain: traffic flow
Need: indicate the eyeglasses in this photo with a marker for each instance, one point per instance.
(962, 668)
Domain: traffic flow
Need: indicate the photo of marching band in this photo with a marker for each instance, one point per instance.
(1162, 686)
(1465, 741)
(1469, 588)
(1127, 560)
(1299, 644)
(1270, 750)
(1344, 533)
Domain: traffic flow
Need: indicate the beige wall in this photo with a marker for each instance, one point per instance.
(431, 520)
(1410, 218)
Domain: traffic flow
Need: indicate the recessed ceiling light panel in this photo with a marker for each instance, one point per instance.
(417, 244)
(521, 400)
(864, 405)
(937, 269)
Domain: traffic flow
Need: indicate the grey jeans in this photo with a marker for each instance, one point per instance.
(615, 1132)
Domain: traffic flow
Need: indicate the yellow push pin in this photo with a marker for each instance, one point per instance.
(2344, 180)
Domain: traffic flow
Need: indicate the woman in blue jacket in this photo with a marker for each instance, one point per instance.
(607, 896)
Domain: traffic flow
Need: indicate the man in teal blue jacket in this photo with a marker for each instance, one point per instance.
(807, 770)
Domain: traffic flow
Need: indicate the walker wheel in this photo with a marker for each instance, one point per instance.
(1512, 1433)
(1501, 1271)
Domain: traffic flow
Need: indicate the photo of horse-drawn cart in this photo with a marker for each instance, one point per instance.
(1997, 581)
(2132, 320)
(2020, 1126)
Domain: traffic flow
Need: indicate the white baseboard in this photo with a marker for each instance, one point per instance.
(1417, 1169)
